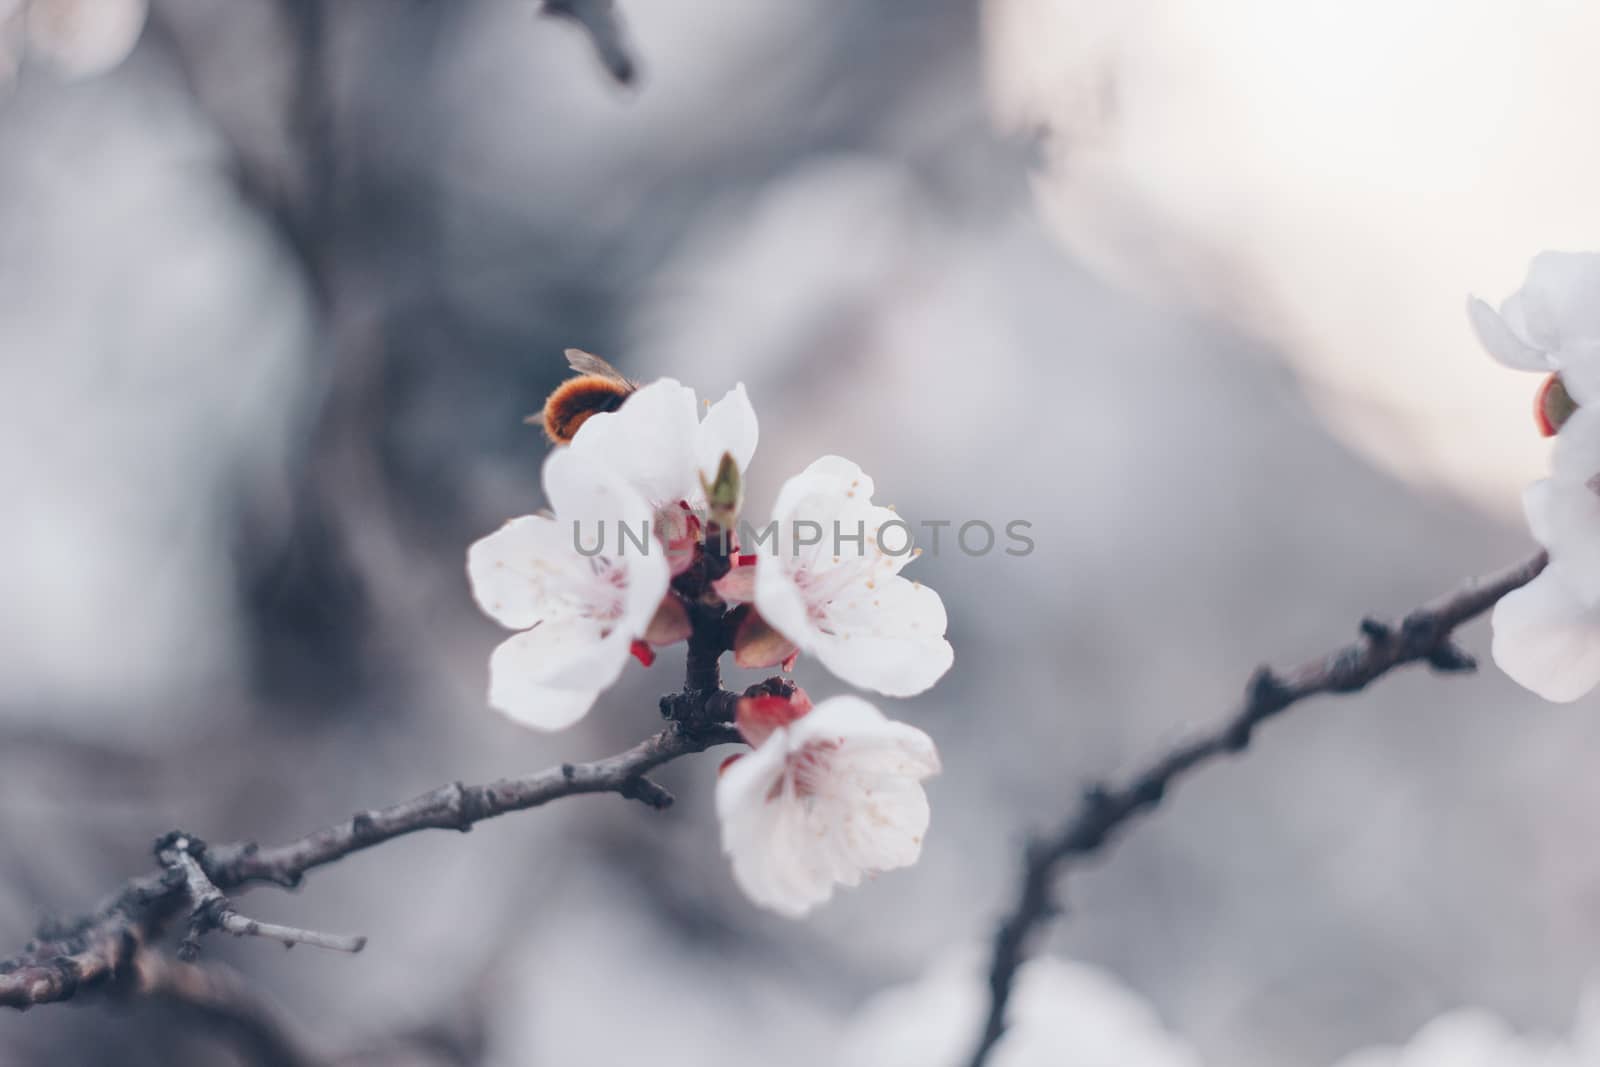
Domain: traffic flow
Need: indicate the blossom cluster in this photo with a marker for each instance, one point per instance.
(1547, 634)
(832, 792)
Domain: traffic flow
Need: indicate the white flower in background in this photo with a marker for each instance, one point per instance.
(1547, 634)
(579, 614)
(1546, 639)
(830, 794)
(842, 598)
(658, 443)
(74, 38)
(1563, 510)
(1475, 1038)
(1551, 324)
(1063, 1014)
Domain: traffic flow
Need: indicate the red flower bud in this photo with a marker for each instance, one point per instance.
(1552, 406)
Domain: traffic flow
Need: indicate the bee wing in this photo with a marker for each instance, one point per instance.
(589, 363)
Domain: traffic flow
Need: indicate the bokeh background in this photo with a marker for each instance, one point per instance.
(1179, 283)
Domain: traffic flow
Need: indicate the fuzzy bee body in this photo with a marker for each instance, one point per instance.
(598, 388)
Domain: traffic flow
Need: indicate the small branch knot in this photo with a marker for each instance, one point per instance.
(363, 828)
(1265, 690)
(646, 792)
(1421, 629)
(471, 805)
(1376, 630)
(1237, 737)
(1450, 657)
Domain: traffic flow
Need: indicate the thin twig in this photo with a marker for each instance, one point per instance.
(101, 947)
(210, 909)
(1425, 635)
(600, 21)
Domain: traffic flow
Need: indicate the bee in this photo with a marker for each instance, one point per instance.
(597, 388)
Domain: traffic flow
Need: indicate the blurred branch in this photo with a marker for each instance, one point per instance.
(599, 20)
(1425, 636)
(100, 948)
(217, 998)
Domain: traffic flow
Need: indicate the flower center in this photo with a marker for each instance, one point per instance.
(594, 590)
(806, 770)
(819, 589)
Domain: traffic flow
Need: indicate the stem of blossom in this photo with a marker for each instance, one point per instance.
(1423, 636)
(711, 623)
(718, 552)
(707, 643)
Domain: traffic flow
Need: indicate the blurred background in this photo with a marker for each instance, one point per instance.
(1181, 284)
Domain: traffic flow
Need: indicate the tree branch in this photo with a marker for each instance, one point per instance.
(1425, 635)
(100, 948)
(218, 999)
(600, 21)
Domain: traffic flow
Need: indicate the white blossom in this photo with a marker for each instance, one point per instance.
(578, 614)
(1547, 634)
(1062, 1014)
(1475, 1038)
(824, 799)
(1546, 639)
(657, 443)
(1563, 510)
(1551, 324)
(842, 598)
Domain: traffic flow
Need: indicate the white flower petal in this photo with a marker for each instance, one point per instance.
(879, 810)
(1561, 300)
(582, 485)
(765, 836)
(1564, 510)
(548, 677)
(1546, 640)
(729, 426)
(833, 797)
(889, 638)
(649, 442)
(861, 723)
(843, 601)
(584, 492)
(826, 520)
(584, 610)
(1539, 510)
(831, 477)
(1502, 340)
(1580, 371)
(510, 569)
(1576, 458)
(778, 600)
